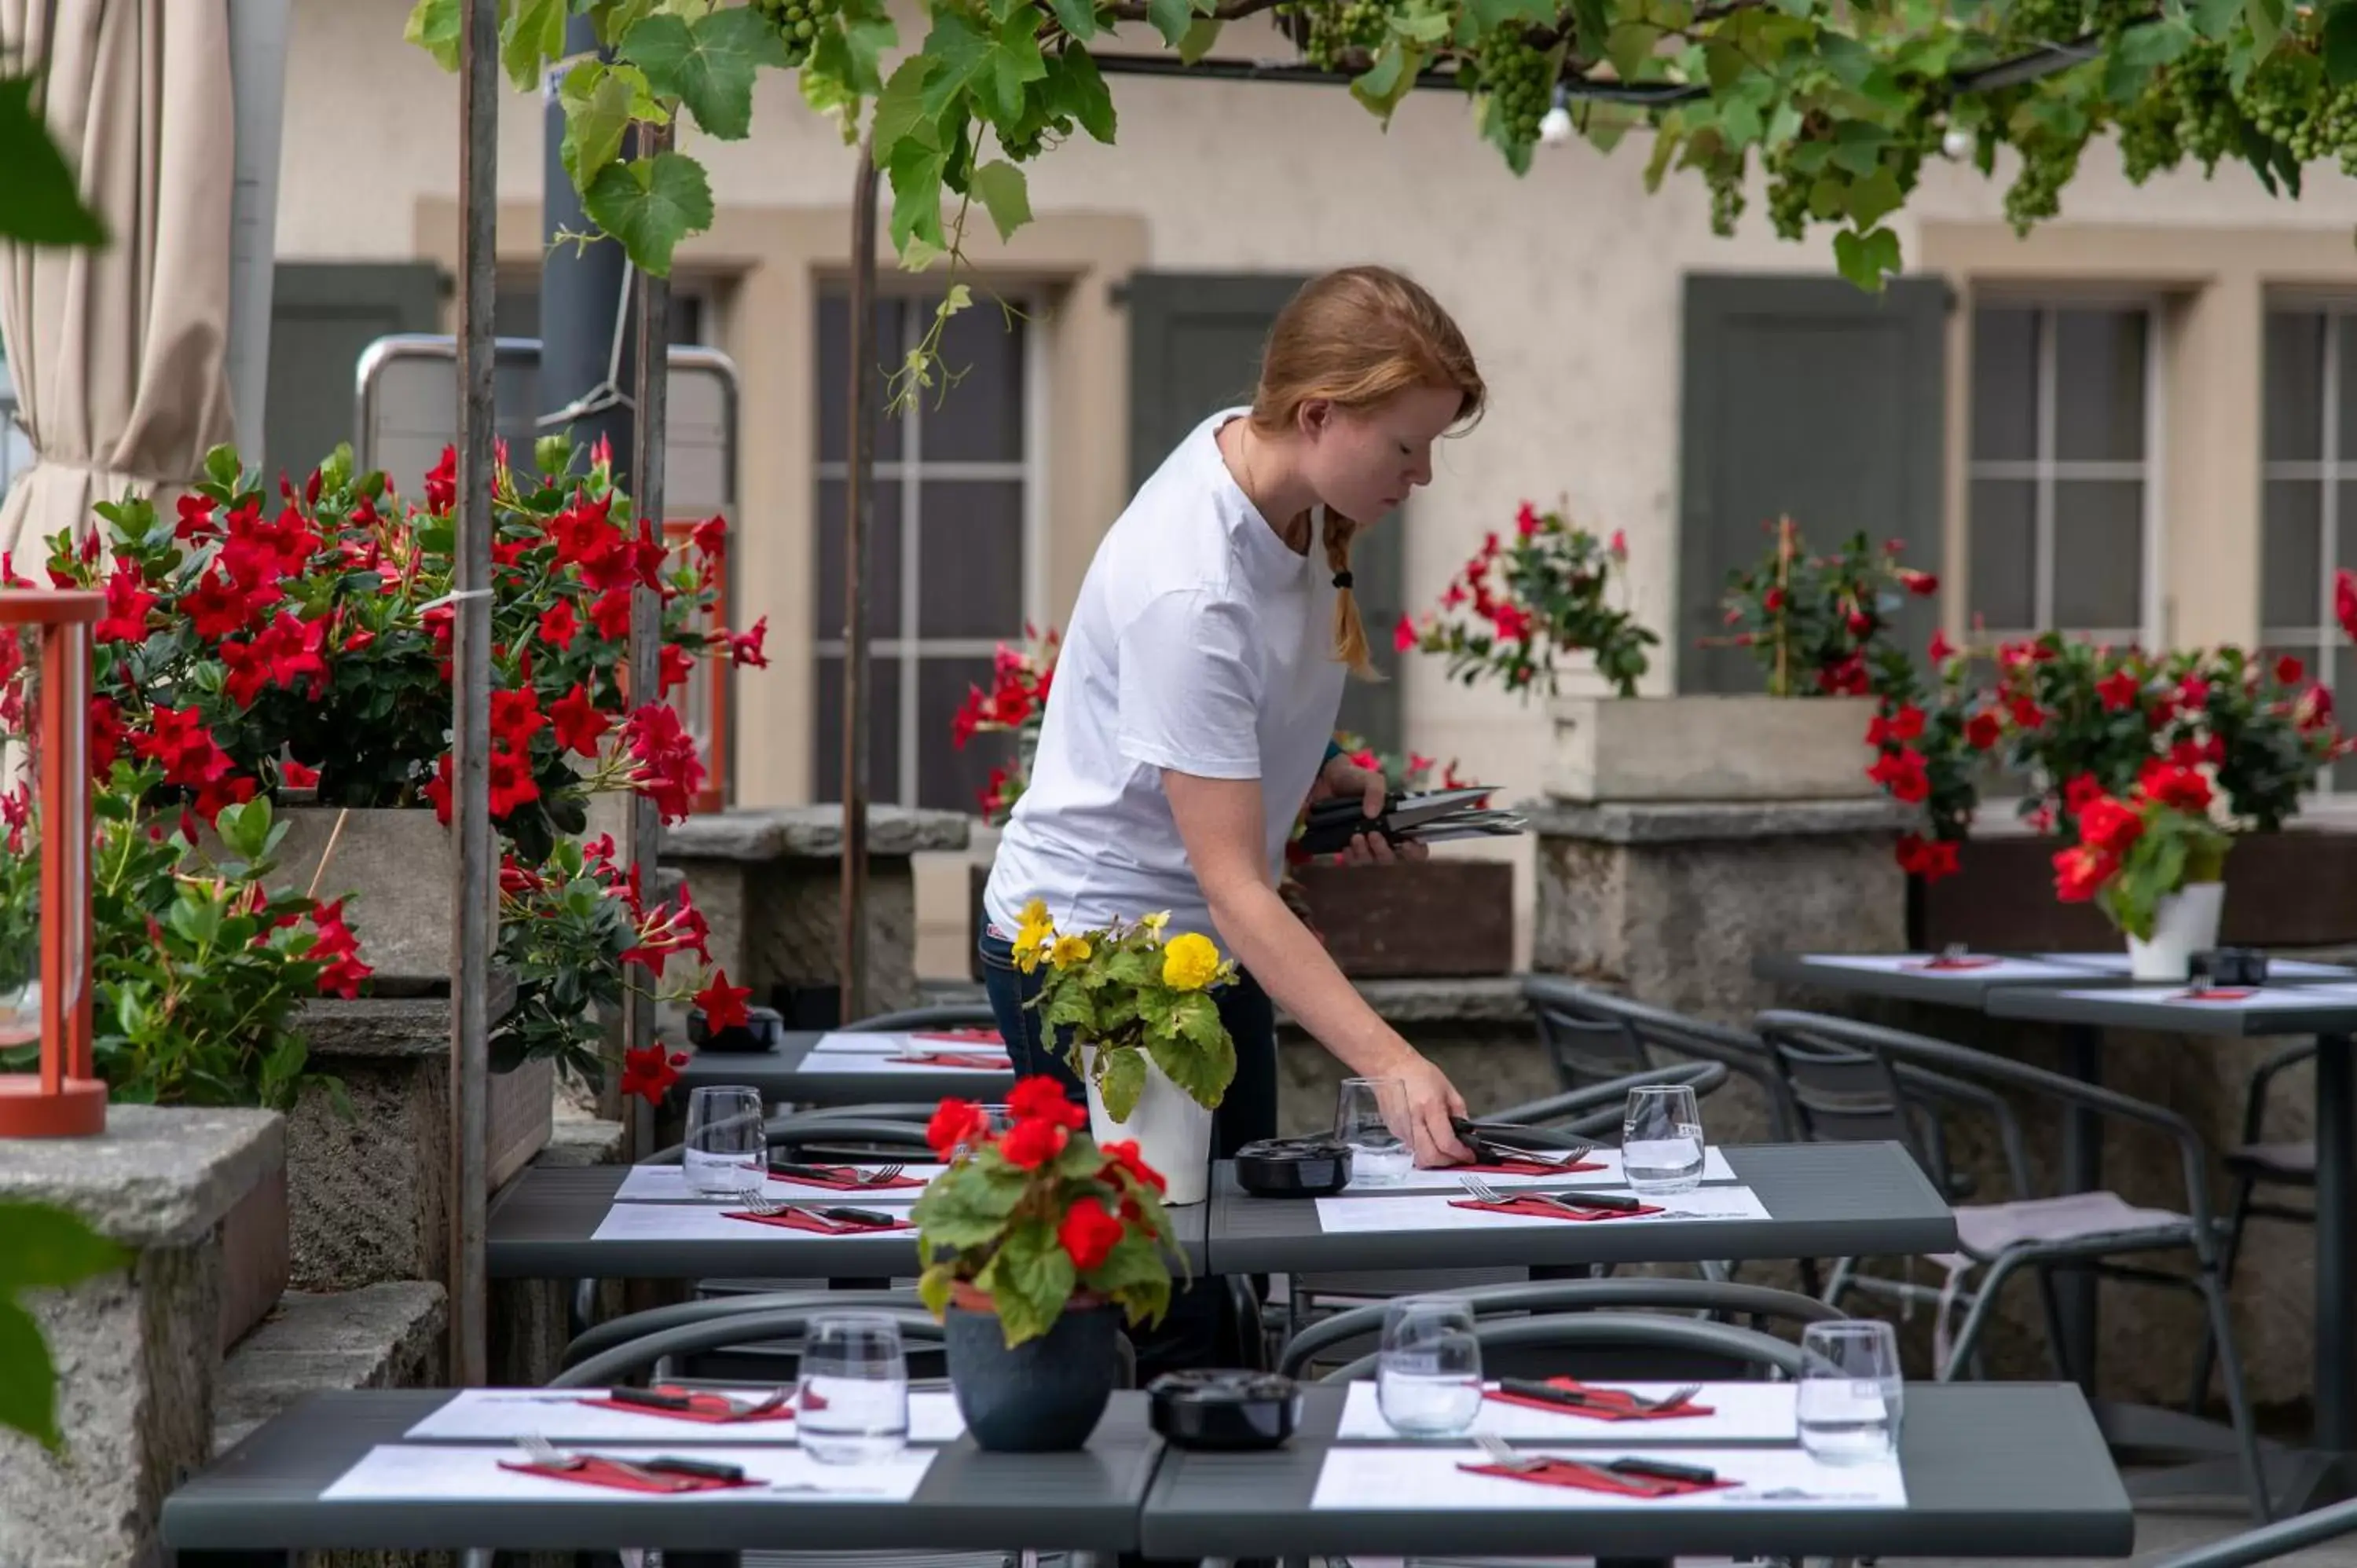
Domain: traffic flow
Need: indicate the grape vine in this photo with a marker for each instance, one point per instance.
(797, 24)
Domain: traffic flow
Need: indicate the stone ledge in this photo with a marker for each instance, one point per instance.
(391, 1026)
(1488, 999)
(1629, 822)
(380, 1336)
(577, 1141)
(812, 832)
(158, 1176)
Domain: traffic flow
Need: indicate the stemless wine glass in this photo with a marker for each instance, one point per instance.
(1428, 1368)
(1371, 1116)
(1850, 1395)
(727, 1152)
(1660, 1140)
(852, 1399)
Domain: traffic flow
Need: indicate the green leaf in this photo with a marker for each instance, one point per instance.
(1202, 34)
(1075, 87)
(1077, 18)
(1123, 1082)
(2215, 18)
(709, 66)
(2266, 19)
(1171, 18)
(900, 110)
(1029, 1281)
(597, 100)
(615, 18)
(1874, 197)
(650, 205)
(532, 32)
(1203, 1068)
(42, 1247)
(1867, 258)
(863, 40)
(43, 205)
(2340, 43)
(991, 67)
(999, 185)
(915, 169)
(28, 1381)
(1381, 85)
(434, 26)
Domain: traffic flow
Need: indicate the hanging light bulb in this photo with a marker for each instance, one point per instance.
(1957, 141)
(1554, 125)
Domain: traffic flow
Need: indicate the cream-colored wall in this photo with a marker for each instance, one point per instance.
(1568, 282)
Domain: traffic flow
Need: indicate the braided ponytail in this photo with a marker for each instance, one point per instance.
(1349, 630)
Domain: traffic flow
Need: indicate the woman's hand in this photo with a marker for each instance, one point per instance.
(1432, 1101)
(1343, 779)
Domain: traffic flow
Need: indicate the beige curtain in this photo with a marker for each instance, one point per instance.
(118, 354)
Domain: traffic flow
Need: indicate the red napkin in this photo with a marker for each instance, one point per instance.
(1587, 1478)
(794, 1220)
(960, 1058)
(1590, 1413)
(1530, 1168)
(2215, 993)
(962, 1036)
(1550, 1212)
(712, 1409)
(846, 1179)
(1969, 961)
(596, 1472)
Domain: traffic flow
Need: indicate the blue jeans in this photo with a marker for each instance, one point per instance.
(1190, 1336)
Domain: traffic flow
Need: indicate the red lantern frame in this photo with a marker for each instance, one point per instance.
(65, 1099)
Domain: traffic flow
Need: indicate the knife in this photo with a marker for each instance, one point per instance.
(703, 1469)
(650, 1399)
(806, 1173)
(1531, 1388)
(1663, 1470)
(1580, 1197)
(855, 1216)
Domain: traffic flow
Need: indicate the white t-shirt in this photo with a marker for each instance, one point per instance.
(1199, 643)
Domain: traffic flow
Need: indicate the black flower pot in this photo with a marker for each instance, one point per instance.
(1044, 1395)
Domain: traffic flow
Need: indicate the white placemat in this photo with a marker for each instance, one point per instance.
(1402, 1479)
(559, 1415)
(1358, 1216)
(668, 1184)
(2003, 969)
(701, 1222)
(1713, 1169)
(391, 1472)
(1740, 1413)
(868, 1061)
(837, 1041)
(2267, 999)
(2117, 963)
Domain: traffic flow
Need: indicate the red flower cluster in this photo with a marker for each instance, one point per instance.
(337, 946)
(2110, 827)
(1016, 703)
(648, 1072)
(669, 770)
(1514, 607)
(1045, 1120)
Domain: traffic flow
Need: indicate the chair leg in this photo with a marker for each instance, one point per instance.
(2058, 1352)
(1976, 1316)
(2205, 1358)
(1838, 1285)
(2238, 1400)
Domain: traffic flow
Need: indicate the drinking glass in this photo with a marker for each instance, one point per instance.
(1850, 1391)
(1660, 1140)
(1371, 1116)
(1428, 1370)
(852, 1399)
(728, 1149)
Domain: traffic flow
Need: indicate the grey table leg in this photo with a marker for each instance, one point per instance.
(2083, 1171)
(2336, 1234)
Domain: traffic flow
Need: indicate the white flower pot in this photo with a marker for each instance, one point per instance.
(2185, 923)
(1172, 1133)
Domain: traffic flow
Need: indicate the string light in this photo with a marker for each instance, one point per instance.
(1554, 127)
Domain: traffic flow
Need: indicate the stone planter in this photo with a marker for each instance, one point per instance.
(1045, 1395)
(1723, 749)
(1428, 920)
(255, 1264)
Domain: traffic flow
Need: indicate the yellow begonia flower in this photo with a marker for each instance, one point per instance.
(1035, 913)
(1190, 962)
(1154, 923)
(1069, 950)
(1031, 944)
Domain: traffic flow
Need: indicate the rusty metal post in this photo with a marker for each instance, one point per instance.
(474, 915)
(859, 498)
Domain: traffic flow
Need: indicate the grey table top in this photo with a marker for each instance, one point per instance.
(1824, 1200)
(2271, 1010)
(1992, 1470)
(1908, 977)
(779, 1076)
(263, 1495)
(541, 1227)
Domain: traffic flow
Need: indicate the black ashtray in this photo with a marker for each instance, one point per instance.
(2231, 966)
(1294, 1167)
(762, 1031)
(1224, 1409)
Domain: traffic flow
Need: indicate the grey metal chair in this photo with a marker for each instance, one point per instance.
(1844, 1079)
(846, 1130)
(632, 1326)
(1621, 1332)
(2270, 1542)
(948, 1016)
(2256, 1162)
(1591, 1036)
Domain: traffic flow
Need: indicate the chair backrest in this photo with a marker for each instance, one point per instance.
(804, 1137)
(1622, 1344)
(1844, 1093)
(951, 1015)
(917, 1328)
(599, 1338)
(1591, 1036)
(1595, 1111)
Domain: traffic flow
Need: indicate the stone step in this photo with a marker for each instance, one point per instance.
(379, 1337)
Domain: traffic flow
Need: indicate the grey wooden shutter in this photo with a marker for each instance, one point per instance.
(322, 315)
(1805, 397)
(1195, 342)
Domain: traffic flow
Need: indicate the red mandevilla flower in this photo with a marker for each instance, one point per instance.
(579, 726)
(2081, 872)
(2178, 788)
(2109, 825)
(1983, 730)
(648, 1072)
(723, 1003)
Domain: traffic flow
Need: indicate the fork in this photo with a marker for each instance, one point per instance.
(771, 1207)
(548, 1457)
(1482, 1192)
(1503, 1456)
(880, 1175)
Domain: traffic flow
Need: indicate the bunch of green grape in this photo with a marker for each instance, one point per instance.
(2047, 162)
(1340, 37)
(1026, 142)
(2029, 23)
(2209, 125)
(1517, 76)
(2282, 101)
(797, 21)
(1788, 193)
(1725, 178)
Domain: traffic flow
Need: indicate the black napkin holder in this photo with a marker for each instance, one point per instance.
(763, 1030)
(2231, 966)
(1224, 1411)
(1294, 1167)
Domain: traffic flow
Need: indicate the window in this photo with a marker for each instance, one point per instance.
(515, 308)
(2307, 527)
(948, 547)
(15, 451)
(2059, 524)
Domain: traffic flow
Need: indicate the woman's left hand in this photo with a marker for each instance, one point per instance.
(1341, 779)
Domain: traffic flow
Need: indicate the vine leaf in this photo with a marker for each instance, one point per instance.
(2265, 17)
(1383, 84)
(1867, 258)
(530, 32)
(1077, 18)
(597, 102)
(916, 167)
(1000, 188)
(993, 69)
(1202, 34)
(433, 26)
(2340, 43)
(650, 205)
(1171, 18)
(44, 205)
(1875, 198)
(709, 66)
(1075, 87)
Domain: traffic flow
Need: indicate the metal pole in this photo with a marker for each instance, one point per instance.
(644, 849)
(858, 501)
(473, 924)
(584, 289)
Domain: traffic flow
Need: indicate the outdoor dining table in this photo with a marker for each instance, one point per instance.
(789, 1074)
(1990, 1470)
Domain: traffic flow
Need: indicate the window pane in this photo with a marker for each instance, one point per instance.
(2344, 680)
(2345, 529)
(883, 730)
(979, 417)
(832, 373)
(970, 567)
(2099, 384)
(2294, 385)
(2099, 553)
(2289, 541)
(2345, 339)
(883, 573)
(2005, 383)
(949, 778)
(2004, 534)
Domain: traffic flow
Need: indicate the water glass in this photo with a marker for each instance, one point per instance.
(1660, 1140)
(1428, 1370)
(1371, 1116)
(728, 1149)
(1850, 1394)
(851, 1404)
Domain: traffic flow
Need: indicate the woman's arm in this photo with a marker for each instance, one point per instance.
(1220, 822)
